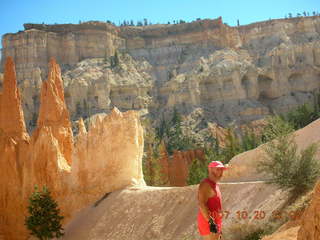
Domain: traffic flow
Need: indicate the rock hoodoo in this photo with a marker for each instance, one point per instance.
(14, 144)
(11, 115)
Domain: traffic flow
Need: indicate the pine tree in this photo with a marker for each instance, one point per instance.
(197, 172)
(44, 221)
(233, 146)
(116, 59)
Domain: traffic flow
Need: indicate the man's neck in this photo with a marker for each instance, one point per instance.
(212, 179)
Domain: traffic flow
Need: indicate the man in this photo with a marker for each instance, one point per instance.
(210, 203)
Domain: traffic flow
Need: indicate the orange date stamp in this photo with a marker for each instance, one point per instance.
(260, 215)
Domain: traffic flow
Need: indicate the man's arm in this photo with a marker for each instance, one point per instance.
(203, 195)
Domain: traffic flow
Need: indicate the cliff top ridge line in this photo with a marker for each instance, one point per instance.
(97, 25)
(155, 30)
(294, 20)
(151, 30)
(161, 30)
(63, 28)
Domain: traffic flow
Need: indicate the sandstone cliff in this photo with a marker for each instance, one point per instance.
(94, 86)
(104, 159)
(232, 73)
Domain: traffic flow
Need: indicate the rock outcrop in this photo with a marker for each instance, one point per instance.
(11, 115)
(174, 169)
(50, 150)
(234, 74)
(108, 156)
(310, 226)
(179, 165)
(93, 86)
(14, 142)
(53, 112)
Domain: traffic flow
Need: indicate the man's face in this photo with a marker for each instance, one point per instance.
(215, 173)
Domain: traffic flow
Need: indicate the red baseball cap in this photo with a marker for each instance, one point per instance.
(218, 164)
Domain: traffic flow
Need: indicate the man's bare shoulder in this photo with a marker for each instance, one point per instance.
(204, 185)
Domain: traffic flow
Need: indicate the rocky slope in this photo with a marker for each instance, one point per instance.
(231, 73)
(77, 170)
(170, 213)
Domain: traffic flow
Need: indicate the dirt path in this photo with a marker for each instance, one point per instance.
(244, 182)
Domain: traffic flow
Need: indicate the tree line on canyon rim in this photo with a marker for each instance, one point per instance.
(290, 169)
(146, 22)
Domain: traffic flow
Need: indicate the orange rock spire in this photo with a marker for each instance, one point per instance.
(11, 116)
(14, 142)
(53, 111)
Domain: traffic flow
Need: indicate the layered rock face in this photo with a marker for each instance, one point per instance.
(232, 73)
(39, 43)
(94, 86)
(106, 158)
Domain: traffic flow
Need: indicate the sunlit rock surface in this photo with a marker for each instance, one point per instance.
(106, 158)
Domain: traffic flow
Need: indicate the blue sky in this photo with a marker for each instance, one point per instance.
(14, 13)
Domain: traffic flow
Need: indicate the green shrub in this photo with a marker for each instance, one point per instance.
(44, 220)
(233, 146)
(250, 140)
(302, 116)
(114, 60)
(171, 133)
(276, 127)
(256, 235)
(152, 169)
(197, 172)
(288, 168)
(307, 169)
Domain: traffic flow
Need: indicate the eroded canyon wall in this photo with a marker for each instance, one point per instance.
(233, 73)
